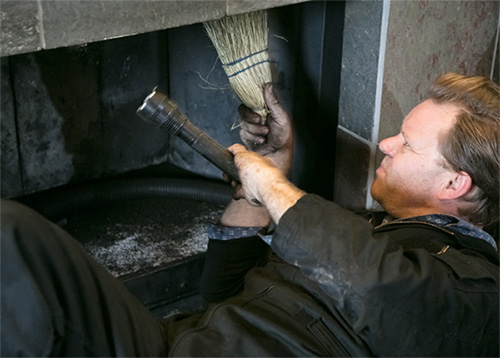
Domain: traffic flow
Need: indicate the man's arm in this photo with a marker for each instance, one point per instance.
(227, 261)
(241, 213)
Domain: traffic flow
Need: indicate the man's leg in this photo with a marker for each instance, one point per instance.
(56, 300)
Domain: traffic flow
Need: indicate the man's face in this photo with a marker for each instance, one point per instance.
(410, 176)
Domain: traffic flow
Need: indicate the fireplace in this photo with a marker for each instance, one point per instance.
(73, 74)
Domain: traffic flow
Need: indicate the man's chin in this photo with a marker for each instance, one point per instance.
(375, 190)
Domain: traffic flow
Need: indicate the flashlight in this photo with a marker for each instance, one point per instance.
(161, 111)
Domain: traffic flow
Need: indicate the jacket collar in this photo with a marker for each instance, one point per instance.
(455, 225)
(454, 238)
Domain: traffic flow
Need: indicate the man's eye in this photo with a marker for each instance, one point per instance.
(406, 145)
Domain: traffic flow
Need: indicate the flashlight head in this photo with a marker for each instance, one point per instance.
(161, 111)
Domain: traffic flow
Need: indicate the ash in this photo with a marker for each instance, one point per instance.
(139, 235)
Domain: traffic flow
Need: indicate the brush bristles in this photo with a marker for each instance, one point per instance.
(241, 43)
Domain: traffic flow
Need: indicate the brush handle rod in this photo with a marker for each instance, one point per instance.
(161, 111)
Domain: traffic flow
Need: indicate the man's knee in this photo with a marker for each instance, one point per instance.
(15, 216)
(29, 229)
(26, 321)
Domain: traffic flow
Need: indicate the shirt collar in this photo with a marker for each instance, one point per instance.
(454, 224)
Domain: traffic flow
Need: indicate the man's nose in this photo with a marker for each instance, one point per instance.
(387, 146)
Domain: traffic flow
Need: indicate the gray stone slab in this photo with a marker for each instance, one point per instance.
(362, 29)
(426, 39)
(242, 6)
(19, 27)
(80, 21)
(31, 25)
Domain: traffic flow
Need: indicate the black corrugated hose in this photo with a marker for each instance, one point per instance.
(58, 203)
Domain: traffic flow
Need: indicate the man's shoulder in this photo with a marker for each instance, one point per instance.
(436, 240)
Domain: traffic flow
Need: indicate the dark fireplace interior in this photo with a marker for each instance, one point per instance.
(137, 198)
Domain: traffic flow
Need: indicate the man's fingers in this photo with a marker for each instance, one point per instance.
(249, 116)
(238, 193)
(255, 129)
(226, 178)
(253, 134)
(236, 148)
(252, 140)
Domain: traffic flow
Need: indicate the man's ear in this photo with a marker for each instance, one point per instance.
(457, 186)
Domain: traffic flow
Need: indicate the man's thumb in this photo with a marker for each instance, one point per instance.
(275, 109)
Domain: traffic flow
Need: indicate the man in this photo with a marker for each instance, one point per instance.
(423, 284)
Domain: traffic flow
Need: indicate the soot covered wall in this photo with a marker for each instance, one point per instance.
(68, 114)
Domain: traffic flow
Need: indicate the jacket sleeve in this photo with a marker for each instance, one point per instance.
(331, 245)
(401, 302)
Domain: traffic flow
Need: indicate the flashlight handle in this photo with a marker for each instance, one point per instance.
(210, 149)
(159, 110)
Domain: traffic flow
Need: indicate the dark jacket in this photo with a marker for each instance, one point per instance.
(337, 287)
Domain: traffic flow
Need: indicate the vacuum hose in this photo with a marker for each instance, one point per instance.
(159, 110)
(62, 202)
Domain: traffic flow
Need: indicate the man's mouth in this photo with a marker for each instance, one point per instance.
(381, 168)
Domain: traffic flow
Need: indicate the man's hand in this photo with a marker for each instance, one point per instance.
(263, 182)
(253, 170)
(274, 139)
